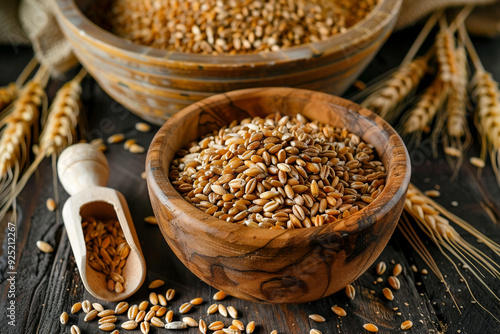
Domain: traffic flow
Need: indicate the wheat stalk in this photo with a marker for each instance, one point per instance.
(422, 115)
(397, 88)
(435, 221)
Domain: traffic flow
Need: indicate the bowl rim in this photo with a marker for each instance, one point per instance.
(375, 21)
(159, 184)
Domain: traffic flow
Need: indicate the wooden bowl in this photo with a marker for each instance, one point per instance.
(156, 83)
(276, 266)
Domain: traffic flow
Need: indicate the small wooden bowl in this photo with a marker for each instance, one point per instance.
(276, 266)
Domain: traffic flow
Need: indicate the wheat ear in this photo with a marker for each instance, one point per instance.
(60, 128)
(445, 52)
(487, 115)
(58, 133)
(16, 128)
(422, 115)
(435, 220)
(488, 118)
(397, 88)
(457, 137)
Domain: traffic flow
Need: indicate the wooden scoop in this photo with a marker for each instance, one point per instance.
(83, 171)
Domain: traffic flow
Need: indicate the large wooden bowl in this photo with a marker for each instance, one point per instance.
(276, 266)
(157, 83)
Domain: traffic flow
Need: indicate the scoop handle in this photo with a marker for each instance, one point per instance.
(82, 166)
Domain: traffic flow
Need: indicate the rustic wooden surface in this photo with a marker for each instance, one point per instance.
(47, 284)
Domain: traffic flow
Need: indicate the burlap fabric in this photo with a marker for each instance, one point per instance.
(32, 21)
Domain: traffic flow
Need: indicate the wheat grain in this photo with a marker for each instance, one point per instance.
(86, 306)
(151, 313)
(477, 162)
(371, 328)
(339, 311)
(388, 293)
(130, 325)
(350, 291)
(162, 300)
(250, 327)
(238, 324)
(233, 313)
(216, 325)
(116, 138)
(91, 315)
(219, 295)
(396, 88)
(8, 94)
(63, 318)
(176, 325)
(185, 308)
(196, 301)
(170, 294)
(155, 321)
(145, 327)
(397, 270)
(394, 282)
(122, 307)
(317, 318)
(156, 283)
(151, 220)
(142, 127)
(44, 247)
(381, 267)
(406, 325)
(190, 322)
(202, 326)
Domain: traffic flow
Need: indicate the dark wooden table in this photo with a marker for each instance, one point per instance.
(48, 284)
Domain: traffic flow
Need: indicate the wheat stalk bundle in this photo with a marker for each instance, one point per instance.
(16, 133)
(58, 133)
(436, 221)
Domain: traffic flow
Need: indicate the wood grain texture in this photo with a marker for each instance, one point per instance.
(48, 284)
(276, 266)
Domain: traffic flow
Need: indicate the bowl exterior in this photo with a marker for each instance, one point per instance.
(156, 84)
(276, 266)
